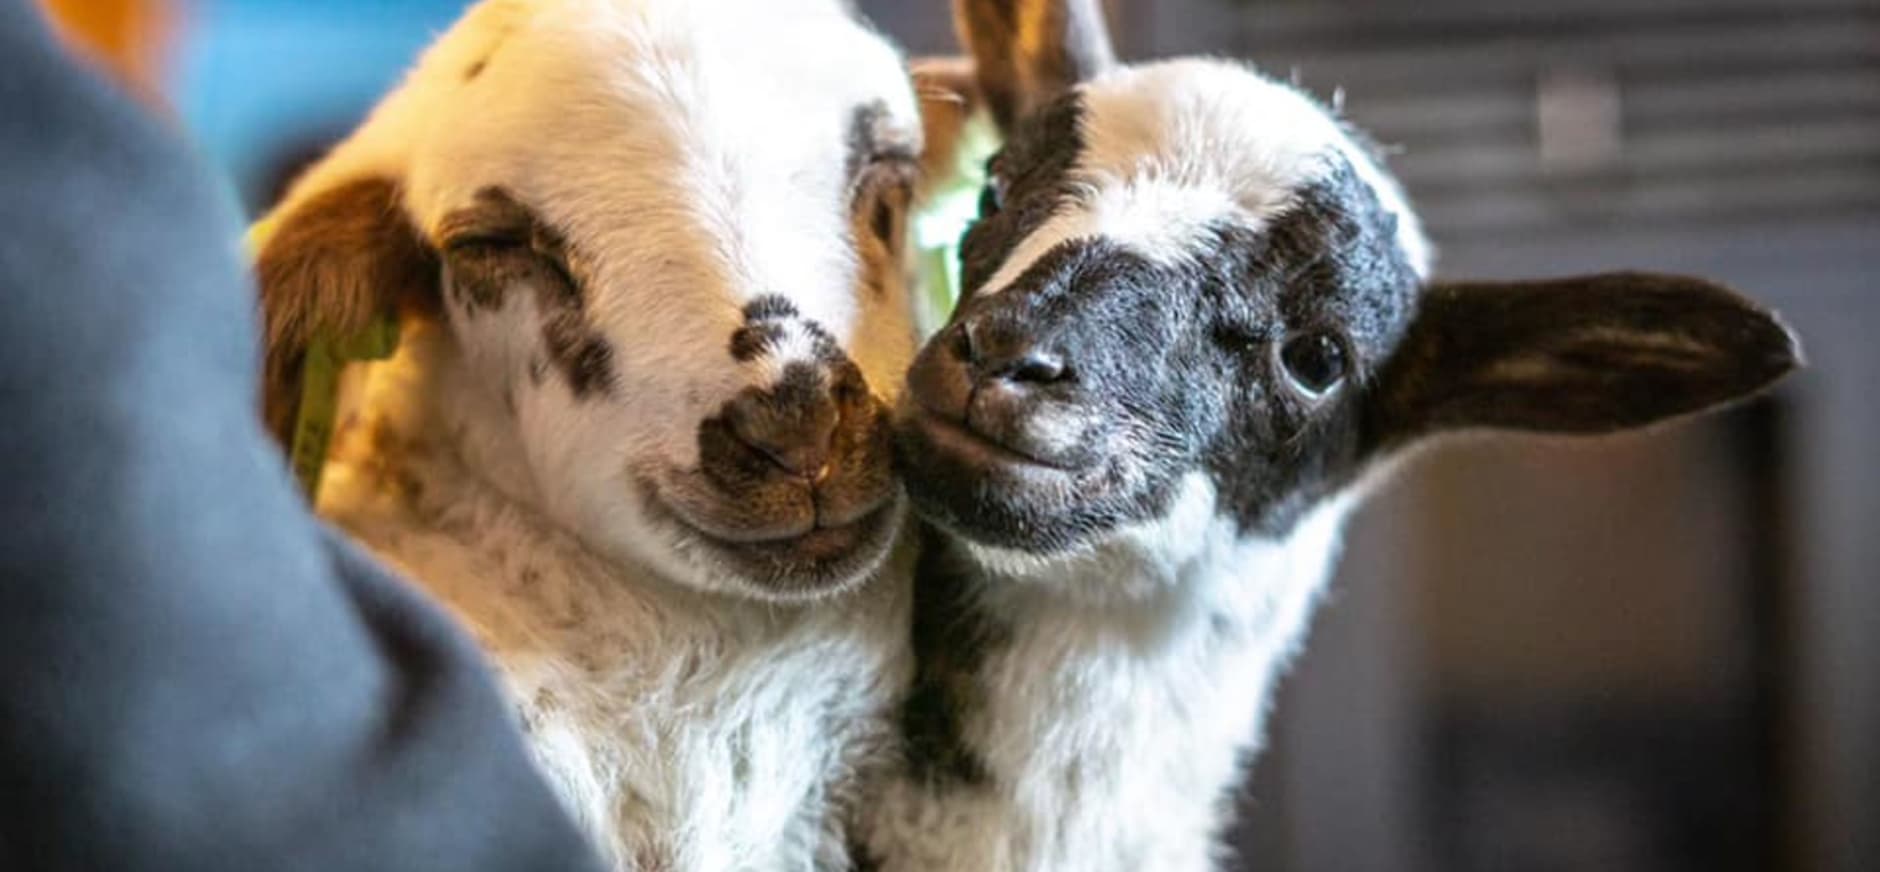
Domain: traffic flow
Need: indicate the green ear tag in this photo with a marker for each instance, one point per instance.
(319, 394)
(319, 386)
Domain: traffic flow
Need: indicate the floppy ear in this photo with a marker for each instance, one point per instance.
(1590, 354)
(329, 266)
(1029, 51)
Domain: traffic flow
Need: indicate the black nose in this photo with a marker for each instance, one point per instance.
(1000, 350)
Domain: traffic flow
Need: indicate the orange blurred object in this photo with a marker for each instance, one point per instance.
(129, 38)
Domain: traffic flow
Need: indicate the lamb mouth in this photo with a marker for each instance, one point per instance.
(944, 435)
(990, 494)
(818, 562)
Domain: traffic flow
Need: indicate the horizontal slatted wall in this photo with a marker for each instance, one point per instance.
(1525, 117)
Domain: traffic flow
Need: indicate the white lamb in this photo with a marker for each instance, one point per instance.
(647, 259)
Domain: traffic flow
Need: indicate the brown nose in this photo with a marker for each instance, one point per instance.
(792, 424)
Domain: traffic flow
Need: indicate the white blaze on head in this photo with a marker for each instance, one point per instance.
(1170, 149)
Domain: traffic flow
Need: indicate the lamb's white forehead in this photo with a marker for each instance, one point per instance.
(1170, 147)
(706, 138)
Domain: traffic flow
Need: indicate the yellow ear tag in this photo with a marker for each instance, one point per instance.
(319, 394)
(319, 387)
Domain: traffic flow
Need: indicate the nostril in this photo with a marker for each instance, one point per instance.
(1037, 367)
(961, 342)
(796, 439)
(1006, 349)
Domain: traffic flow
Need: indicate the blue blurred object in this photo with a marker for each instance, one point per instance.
(266, 84)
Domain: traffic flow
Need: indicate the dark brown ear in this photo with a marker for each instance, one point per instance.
(1029, 51)
(1589, 354)
(328, 268)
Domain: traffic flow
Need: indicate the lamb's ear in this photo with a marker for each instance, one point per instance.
(1590, 354)
(1029, 51)
(327, 267)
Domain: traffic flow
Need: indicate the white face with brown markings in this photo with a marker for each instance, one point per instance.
(666, 238)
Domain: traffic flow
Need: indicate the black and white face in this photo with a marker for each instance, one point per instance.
(1178, 269)
(1189, 281)
(666, 239)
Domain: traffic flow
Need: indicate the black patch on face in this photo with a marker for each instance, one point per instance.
(770, 307)
(951, 638)
(861, 139)
(763, 331)
(1100, 308)
(1333, 264)
(1034, 167)
(584, 358)
(750, 343)
(873, 137)
(500, 244)
(823, 345)
(1174, 369)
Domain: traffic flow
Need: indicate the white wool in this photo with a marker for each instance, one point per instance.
(692, 151)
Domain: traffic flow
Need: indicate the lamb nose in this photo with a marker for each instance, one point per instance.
(1004, 353)
(1036, 366)
(795, 436)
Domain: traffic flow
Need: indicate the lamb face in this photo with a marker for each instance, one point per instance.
(665, 240)
(1176, 272)
(1190, 283)
(1196, 313)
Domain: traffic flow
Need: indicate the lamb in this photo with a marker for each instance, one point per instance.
(1197, 325)
(647, 257)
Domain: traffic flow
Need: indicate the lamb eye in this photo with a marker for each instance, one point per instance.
(1315, 362)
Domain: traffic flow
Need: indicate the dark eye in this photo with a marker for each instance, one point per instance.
(992, 198)
(1314, 361)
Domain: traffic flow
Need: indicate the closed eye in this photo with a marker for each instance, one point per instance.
(484, 241)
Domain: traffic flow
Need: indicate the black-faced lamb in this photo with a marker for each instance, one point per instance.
(1197, 323)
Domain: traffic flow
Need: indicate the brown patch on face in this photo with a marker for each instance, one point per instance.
(753, 341)
(332, 265)
(585, 358)
(497, 245)
(794, 484)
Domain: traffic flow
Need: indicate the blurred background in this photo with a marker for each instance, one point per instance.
(1658, 653)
